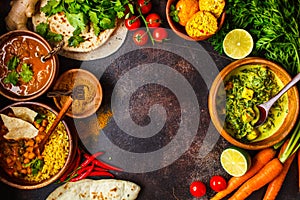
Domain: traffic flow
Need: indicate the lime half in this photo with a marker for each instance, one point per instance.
(235, 161)
(238, 44)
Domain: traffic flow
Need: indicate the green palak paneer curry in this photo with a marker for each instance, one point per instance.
(246, 87)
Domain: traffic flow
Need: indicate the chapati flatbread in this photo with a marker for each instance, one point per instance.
(59, 24)
(24, 113)
(18, 128)
(104, 189)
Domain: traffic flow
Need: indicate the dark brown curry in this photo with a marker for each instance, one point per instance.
(29, 51)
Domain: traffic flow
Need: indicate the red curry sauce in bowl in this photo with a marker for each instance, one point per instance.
(24, 75)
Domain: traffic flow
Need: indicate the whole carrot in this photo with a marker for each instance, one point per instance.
(258, 161)
(275, 185)
(271, 170)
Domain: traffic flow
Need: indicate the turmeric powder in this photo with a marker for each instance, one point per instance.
(103, 116)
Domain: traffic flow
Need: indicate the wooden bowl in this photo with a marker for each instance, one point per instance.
(93, 93)
(72, 143)
(217, 88)
(29, 48)
(180, 30)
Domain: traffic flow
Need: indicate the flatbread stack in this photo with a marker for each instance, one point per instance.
(20, 126)
(104, 189)
(58, 23)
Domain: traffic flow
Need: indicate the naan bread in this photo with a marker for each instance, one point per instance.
(59, 24)
(104, 189)
(24, 113)
(18, 128)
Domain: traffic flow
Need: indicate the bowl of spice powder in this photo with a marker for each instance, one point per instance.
(80, 108)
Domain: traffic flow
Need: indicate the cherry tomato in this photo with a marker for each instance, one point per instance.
(218, 183)
(132, 23)
(159, 34)
(144, 5)
(197, 189)
(140, 37)
(153, 20)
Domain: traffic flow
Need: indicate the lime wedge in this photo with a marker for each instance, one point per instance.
(238, 44)
(235, 161)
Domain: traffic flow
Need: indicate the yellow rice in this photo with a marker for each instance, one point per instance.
(55, 152)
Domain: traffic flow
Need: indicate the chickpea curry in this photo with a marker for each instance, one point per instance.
(21, 157)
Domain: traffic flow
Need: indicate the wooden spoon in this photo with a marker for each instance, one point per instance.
(265, 107)
(58, 118)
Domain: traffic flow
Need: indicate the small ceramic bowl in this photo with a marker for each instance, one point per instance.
(29, 48)
(214, 104)
(92, 89)
(180, 30)
(20, 183)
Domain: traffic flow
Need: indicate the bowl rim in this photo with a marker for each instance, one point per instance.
(71, 155)
(175, 26)
(212, 103)
(99, 89)
(54, 73)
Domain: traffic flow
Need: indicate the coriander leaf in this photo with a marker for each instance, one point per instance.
(13, 63)
(77, 20)
(75, 40)
(95, 21)
(54, 37)
(12, 77)
(26, 73)
(74, 8)
(52, 7)
(107, 23)
(42, 29)
(174, 13)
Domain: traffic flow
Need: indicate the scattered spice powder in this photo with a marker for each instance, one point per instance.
(104, 115)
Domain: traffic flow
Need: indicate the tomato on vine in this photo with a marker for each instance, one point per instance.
(144, 5)
(197, 189)
(133, 22)
(140, 37)
(153, 20)
(159, 34)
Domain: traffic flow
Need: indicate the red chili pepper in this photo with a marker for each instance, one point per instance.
(105, 165)
(84, 174)
(101, 173)
(100, 169)
(90, 158)
(73, 166)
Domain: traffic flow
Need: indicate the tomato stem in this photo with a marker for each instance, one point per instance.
(146, 24)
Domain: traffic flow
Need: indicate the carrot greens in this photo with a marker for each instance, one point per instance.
(273, 25)
(293, 144)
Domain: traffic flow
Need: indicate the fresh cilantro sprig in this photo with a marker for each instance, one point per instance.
(44, 30)
(26, 73)
(100, 14)
(13, 76)
(36, 165)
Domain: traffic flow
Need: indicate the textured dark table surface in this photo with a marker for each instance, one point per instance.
(168, 175)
